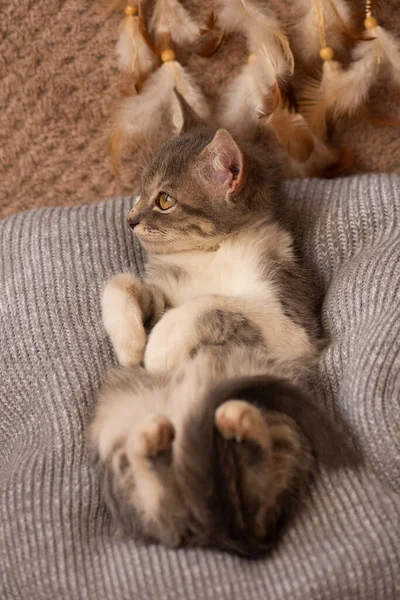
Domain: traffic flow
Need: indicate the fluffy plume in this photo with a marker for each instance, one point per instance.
(322, 160)
(140, 117)
(293, 134)
(320, 23)
(262, 30)
(342, 92)
(211, 36)
(134, 55)
(171, 19)
(387, 49)
(245, 97)
(339, 92)
(255, 98)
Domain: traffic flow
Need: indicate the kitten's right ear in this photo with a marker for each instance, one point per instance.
(190, 118)
(222, 164)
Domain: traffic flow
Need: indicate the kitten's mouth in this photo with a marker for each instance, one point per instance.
(148, 237)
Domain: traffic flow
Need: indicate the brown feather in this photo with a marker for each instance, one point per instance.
(209, 24)
(293, 133)
(282, 95)
(115, 154)
(209, 43)
(313, 106)
(144, 32)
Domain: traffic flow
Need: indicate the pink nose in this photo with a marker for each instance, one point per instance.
(133, 221)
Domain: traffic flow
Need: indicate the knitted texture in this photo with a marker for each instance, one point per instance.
(58, 89)
(55, 535)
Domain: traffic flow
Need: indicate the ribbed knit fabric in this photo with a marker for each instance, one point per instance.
(55, 535)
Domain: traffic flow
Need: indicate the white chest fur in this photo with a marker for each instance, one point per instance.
(234, 269)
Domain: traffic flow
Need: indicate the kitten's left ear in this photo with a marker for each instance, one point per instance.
(190, 118)
(223, 167)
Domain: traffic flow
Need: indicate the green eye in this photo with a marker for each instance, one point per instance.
(165, 201)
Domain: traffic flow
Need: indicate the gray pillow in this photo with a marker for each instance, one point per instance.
(55, 534)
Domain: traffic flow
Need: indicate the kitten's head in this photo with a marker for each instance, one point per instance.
(201, 186)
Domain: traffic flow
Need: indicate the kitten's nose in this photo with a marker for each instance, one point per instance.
(133, 221)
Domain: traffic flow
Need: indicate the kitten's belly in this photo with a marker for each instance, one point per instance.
(189, 326)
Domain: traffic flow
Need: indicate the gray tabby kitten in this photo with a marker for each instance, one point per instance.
(212, 441)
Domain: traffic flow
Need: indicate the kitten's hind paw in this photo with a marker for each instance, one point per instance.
(155, 435)
(243, 421)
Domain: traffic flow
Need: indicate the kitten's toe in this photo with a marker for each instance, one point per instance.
(154, 436)
(242, 421)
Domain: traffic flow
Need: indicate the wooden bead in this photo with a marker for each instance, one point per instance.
(130, 11)
(167, 55)
(326, 53)
(370, 23)
(252, 57)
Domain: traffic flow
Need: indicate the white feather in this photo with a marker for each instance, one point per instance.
(141, 116)
(306, 33)
(244, 97)
(388, 48)
(346, 90)
(132, 51)
(170, 17)
(189, 90)
(262, 30)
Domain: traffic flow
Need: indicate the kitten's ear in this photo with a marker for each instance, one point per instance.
(190, 118)
(223, 159)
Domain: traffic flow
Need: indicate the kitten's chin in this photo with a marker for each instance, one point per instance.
(149, 244)
(149, 239)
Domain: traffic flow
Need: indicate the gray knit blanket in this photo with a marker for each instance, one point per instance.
(56, 537)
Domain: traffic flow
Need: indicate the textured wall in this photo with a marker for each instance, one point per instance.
(57, 87)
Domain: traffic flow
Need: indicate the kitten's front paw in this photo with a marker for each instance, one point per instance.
(123, 320)
(242, 421)
(155, 435)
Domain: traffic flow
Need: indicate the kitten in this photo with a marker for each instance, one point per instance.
(213, 440)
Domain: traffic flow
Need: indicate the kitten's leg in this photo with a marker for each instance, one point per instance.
(243, 421)
(131, 485)
(128, 308)
(153, 436)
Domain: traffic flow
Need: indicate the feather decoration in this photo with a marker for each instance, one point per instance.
(293, 134)
(255, 98)
(134, 55)
(171, 19)
(344, 91)
(322, 160)
(387, 48)
(211, 36)
(303, 153)
(140, 117)
(337, 19)
(245, 98)
(262, 30)
(339, 92)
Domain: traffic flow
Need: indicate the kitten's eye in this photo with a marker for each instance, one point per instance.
(165, 201)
